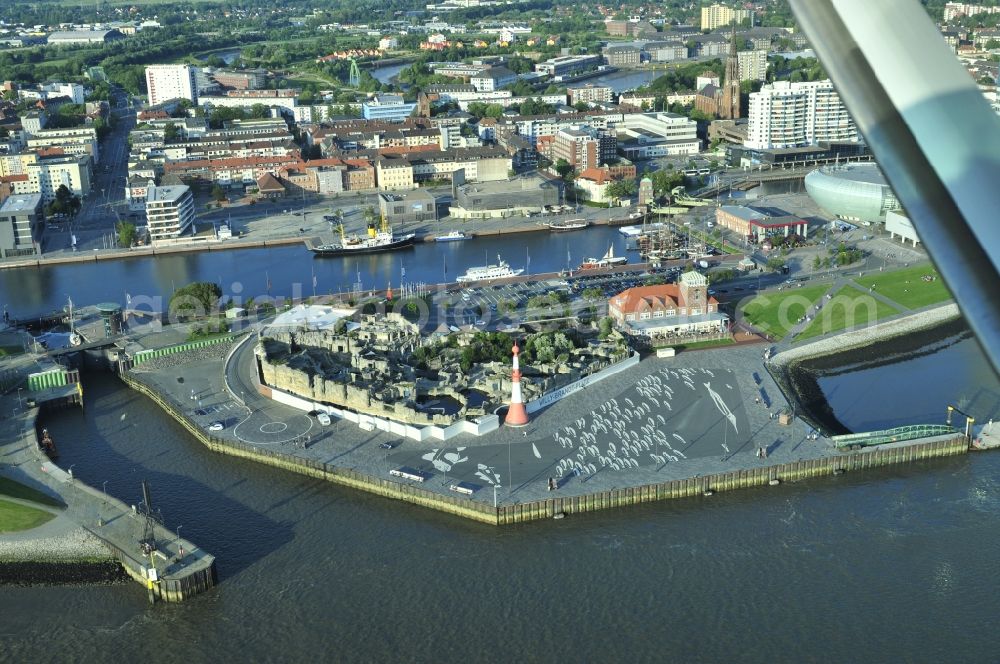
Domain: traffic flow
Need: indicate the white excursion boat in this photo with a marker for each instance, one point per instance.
(489, 272)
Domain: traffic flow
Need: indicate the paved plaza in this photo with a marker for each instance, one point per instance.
(667, 416)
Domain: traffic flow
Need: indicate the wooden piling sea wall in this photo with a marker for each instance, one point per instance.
(733, 480)
(543, 509)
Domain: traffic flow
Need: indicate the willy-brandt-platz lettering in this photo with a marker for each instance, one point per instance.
(506, 287)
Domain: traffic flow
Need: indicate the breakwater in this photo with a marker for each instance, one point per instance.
(541, 509)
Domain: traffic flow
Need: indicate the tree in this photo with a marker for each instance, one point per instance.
(664, 181)
(259, 112)
(606, 325)
(195, 299)
(171, 132)
(563, 168)
(218, 193)
(66, 202)
(126, 233)
(620, 189)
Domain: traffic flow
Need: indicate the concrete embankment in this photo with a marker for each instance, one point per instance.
(140, 252)
(483, 512)
(898, 327)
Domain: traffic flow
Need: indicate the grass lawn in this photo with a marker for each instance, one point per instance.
(17, 490)
(849, 307)
(907, 286)
(776, 312)
(694, 345)
(8, 351)
(14, 517)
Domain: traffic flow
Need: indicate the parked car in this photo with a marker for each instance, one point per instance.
(388, 445)
(216, 426)
(323, 418)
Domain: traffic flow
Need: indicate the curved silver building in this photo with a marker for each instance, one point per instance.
(854, 192)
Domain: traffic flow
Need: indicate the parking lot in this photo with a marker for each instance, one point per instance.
(503, 306)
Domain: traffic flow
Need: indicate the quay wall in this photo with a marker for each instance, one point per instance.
(532, 510)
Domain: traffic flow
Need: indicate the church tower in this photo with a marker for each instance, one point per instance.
(730, 108)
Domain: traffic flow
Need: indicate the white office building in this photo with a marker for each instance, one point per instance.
(169, 211)
(791, 115)
(650, 135)
(166, 82)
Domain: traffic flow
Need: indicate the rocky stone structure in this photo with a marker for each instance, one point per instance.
(386, 368)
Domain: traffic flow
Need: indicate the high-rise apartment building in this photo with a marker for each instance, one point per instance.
(790, 115)
(166, 82)
(752, 65)
(718, 16)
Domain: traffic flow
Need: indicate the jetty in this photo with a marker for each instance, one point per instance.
(169, 567)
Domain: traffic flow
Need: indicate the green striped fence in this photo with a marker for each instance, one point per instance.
(45, 379)
(144, 355)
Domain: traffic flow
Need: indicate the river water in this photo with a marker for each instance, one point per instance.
(893, 565)
(245, 272)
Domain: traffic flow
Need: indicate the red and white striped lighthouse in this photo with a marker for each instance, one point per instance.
(517, 416)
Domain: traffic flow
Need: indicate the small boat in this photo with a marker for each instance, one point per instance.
(567, 225)
(48, 445)
(489, 272)
(451, 237)
(608, 260)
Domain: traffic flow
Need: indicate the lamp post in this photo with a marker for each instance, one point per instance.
(495, 487)
(104, 488)
(70, 470)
